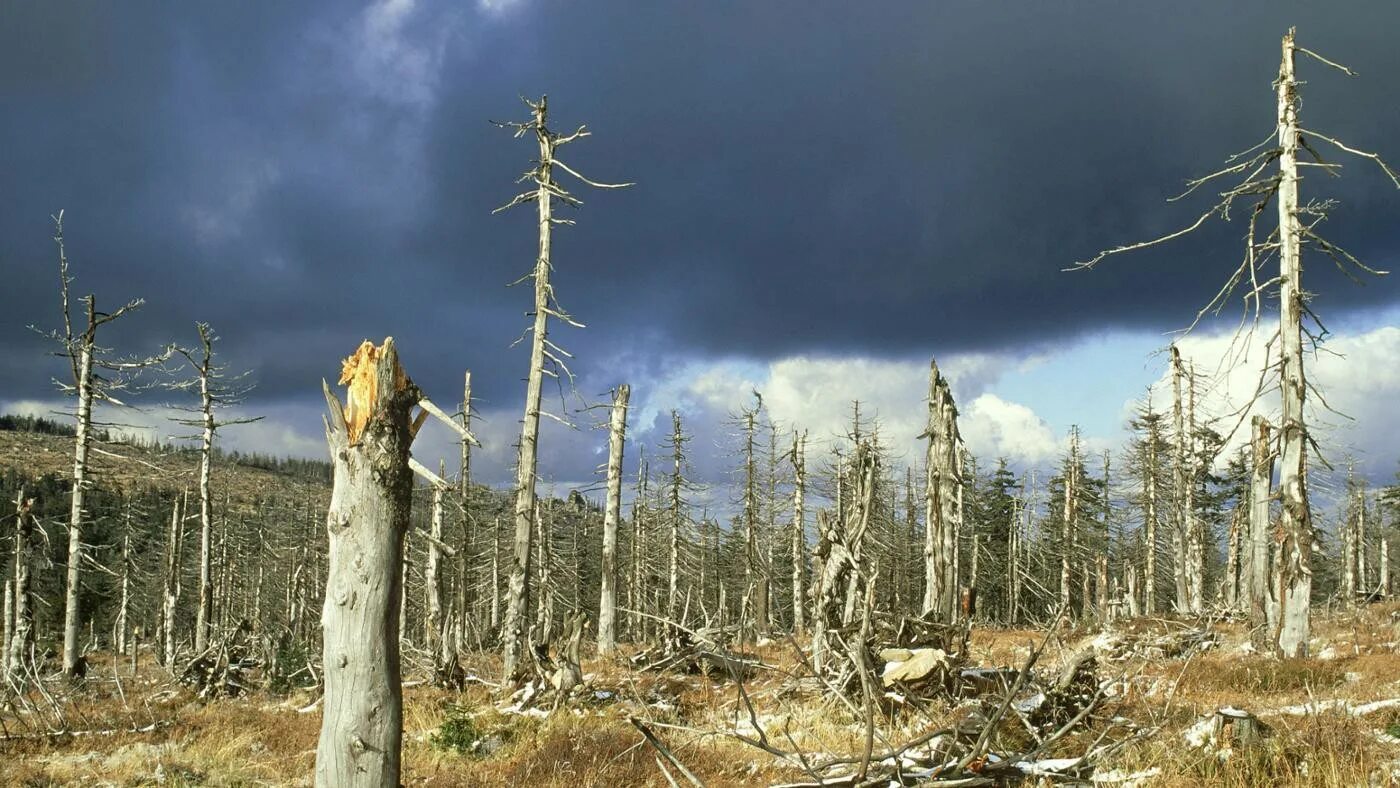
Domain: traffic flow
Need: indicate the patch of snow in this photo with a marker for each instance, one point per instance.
(1047, 767)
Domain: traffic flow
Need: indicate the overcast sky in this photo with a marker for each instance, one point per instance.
(827, 194)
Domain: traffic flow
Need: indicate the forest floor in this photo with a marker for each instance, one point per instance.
(146, 729)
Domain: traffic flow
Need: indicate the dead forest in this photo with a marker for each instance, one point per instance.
(1211, 603)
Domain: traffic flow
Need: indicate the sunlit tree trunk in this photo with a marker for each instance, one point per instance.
(612, 514)
(371, 499)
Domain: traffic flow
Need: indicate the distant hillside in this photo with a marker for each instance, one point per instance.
(36, 448)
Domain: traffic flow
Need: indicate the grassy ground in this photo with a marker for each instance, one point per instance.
(266, 740)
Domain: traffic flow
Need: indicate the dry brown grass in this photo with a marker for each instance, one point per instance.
(262, 740)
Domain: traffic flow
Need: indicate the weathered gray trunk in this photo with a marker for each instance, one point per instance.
(755, 574)
(76, 514)
(799, 537)
(21, 643)
(1384, 584)
(1071, 516)
(432, 577)
(1149, 572)
(362, 718)
(466, 553)
(1260, 534)
(518, 590)
(205, 612)
(1181, 570)
(673, 564)
(1295, 600)
(612, 515)
(170, 595)
(1195, 528)
(940, 499)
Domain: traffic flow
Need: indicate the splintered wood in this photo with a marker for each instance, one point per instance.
(358, 373)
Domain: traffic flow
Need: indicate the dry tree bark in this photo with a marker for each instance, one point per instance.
(20, 646)
(1069, 527)
(1296, 520)
(799, 536)
(369, 440)
(612, 514)
(940, 497)
(545, 189)
(170, 593)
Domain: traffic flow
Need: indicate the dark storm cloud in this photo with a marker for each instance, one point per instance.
(886, 179)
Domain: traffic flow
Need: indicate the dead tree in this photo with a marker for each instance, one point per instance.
(466, 580)
(20, 646)
(755, 569)
(1297, 228)
(217, 390)
(612, 514)
(1149, 423)
(1069, 527)
(839, 547)
(369, 440)
(941, 499)
(678, 517)
(799, 536)
(96, 377)
(545, 188)
(170, 588)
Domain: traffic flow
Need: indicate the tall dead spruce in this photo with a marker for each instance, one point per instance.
(217, 390)
(546, 358)
(1259, 184)
(612, 513)
(369, 440)
(97, 377)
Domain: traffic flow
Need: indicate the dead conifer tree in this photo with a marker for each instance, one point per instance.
(20, 646)
(1070, 525)
(941, 499)
(217, 390)
(542, 352)
(170, 589)
(798, 456)
(1297, 228)
(678, 515)
(96, 378)
(369, 440)
(612, 514)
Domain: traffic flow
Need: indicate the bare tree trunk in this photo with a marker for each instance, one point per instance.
(82, 442)
(1296, 521)
(432, 580)
(21, 642)
(517, 593)
(612, 514)
(755, 576)
(1181, 565)
(1071, 515)
(1195, 528)
(362, 720)
(124, 605)
(1232, 559)
(799, 536)
(7, 630)
(940, 534)
(171, 592)
(205, 611)
(673, 564)
(1149, 575)
(1384, 584)
(466, 578)
(1361, 541)
(1260, 534)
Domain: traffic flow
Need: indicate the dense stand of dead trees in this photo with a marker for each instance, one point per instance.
(1085, 546)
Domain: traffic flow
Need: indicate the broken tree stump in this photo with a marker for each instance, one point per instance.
(369, 439)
